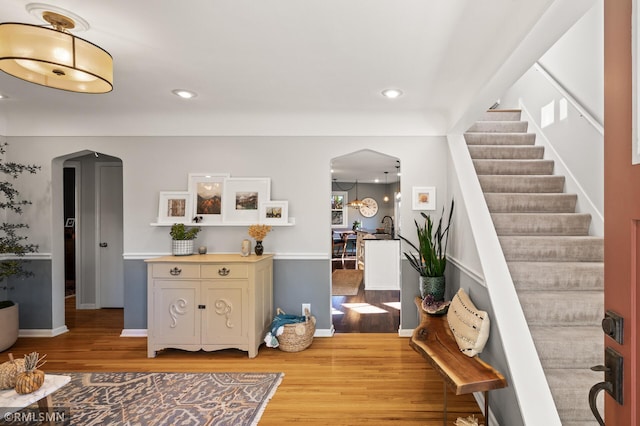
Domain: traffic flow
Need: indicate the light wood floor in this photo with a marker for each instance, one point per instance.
(349, 379)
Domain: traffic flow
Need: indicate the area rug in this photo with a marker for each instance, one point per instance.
(346, 282)
(219, 399)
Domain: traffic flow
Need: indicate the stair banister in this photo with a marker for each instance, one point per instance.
(569, 97)
(527, 376)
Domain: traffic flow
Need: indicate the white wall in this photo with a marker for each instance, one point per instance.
(299, 168)
(577, 61)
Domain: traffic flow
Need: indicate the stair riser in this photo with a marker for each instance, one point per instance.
(501, 115)
(541, 224)
(499, 127)
(554, 343)
(520, 152)
(531, 203)
(513, 167)
(576, 308)
(552, 249)
(557, 276)
(521, 184)
(500, 138)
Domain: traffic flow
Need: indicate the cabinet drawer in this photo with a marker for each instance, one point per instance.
(228, 271)
(176, 270)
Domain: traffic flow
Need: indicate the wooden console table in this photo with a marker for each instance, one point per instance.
(462, 374)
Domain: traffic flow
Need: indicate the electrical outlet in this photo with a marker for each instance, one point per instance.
(306, 306)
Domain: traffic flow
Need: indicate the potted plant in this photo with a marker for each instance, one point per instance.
(182, 239)
(13, 247)
(431, 260)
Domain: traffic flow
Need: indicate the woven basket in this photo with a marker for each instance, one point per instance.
(297, 337)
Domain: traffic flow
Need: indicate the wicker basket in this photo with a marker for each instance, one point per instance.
(297, 337)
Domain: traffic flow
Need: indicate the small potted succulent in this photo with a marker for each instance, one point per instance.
(182, 239)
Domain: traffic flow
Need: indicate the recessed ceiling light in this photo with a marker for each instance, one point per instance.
(184, 94)
(3, 96)
(392, 93)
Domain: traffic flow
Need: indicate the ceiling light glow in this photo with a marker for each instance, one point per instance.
(392, 93)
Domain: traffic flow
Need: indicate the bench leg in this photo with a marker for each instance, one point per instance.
(444, 418)
(486, 408)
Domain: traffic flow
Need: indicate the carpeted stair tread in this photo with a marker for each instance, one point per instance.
(513, 167)
(499, 127)
(516, 183)
(530, 152)
(578, 308)
(553, 343)
(557, 276)
(550, 248)
(541, 223)
(482, 138)
(531, 202)
(570, 390)
(501, 115)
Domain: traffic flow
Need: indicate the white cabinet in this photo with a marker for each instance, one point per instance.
(381, 264)
(210, 302)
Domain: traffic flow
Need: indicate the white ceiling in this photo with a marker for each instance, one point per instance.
(276, 66)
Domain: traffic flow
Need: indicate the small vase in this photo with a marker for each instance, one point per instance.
(246, 248)
(434, 286)
(259, 248)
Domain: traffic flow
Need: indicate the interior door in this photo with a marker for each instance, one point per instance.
(110, 268)
(622, 205)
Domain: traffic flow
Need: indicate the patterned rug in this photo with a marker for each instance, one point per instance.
(166, 398)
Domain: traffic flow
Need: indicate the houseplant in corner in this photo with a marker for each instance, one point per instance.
(431, 260)
(13, 247)
(182, 239)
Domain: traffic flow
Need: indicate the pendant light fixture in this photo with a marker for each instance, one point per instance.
(386, 188)
(357, 203)
(53, 57)
(398, 195)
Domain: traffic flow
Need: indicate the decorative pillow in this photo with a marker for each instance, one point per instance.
(469, 326)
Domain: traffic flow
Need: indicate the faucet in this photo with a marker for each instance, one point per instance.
(387, 226)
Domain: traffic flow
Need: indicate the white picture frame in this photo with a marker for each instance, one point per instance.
(339, 216)
(242, 197)
(207, 192)
(174, 207)
(423, 198)
(274, 212)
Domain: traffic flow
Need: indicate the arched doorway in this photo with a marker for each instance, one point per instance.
(365, 258)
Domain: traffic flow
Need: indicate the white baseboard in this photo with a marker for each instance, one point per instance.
(43, 332)
(324, 332)
(405, 332)
(134, 332)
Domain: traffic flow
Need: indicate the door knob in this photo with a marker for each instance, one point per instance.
(103, 244)
(612, 381)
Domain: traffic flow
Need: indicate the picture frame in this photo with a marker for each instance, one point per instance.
(274, 212)
(207, 192)
(339, 216)
(242, 197)
(174, 207)
(423, 198)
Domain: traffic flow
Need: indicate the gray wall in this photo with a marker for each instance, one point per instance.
(299, 168)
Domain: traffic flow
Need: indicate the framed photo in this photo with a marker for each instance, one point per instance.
(339, 209)
(424, 198)
(207, 192)
(174, 207)
(274, 212)
(242, 197)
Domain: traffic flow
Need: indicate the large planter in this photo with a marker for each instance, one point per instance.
(9, 329)
(182, 247)
(434, 286)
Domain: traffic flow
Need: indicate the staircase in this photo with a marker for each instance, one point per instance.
(557, 268)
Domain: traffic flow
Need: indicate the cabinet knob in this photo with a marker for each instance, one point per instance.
(224, 272)
(175, 271)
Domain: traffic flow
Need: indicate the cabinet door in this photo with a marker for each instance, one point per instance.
(224, 320)
(176, 317)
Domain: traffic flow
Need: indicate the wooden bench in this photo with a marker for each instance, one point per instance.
(462, 374)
